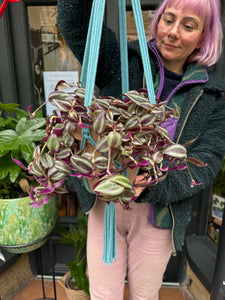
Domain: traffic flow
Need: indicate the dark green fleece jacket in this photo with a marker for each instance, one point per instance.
(200, 95)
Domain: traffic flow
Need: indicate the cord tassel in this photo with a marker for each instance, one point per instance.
(109, 252)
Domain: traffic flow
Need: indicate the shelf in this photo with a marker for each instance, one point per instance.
(201, 256)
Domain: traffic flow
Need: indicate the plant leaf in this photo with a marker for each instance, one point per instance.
(114, 139)
(195, 161)
(108, 187)
(47, 160)
(25, 125)
(121, 180)
(63, 167)
(162, 131)
(8, 167)
(176, 150)
(99, 122)
(9, 140)
(82, 164)
(102, 145)
(53, 143)
(138, 99)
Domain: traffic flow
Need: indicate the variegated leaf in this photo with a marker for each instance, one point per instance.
(64, 153)
(47, 160)
(56, 174)
(102, 145)
(99, 122)
(37, 169)
(176, 150)
(157, 157)
(107, 187)
(132, 122)
(81, 164)
(63, 167)
(53, 143)
(161, 130)
(121, 180)
(114, 139)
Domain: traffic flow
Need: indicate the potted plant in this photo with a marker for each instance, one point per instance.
(75, 282)
(126, 135)
(218, 197)
(22, 227)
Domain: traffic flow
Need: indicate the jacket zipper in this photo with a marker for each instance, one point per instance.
(174, 252)
(182, 128)
(177, 141)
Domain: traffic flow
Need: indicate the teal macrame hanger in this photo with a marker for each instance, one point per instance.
(123, 46)
(144, 49)
(89, 65)
(88, 76)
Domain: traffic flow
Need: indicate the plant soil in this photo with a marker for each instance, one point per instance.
(71, 284)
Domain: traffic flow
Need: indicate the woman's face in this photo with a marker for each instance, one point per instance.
(179, 34)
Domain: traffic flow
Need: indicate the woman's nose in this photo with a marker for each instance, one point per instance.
(175, 29)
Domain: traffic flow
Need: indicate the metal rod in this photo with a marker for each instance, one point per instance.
(218, 287)
(53, 267)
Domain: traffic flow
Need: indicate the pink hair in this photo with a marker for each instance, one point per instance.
(210, 12)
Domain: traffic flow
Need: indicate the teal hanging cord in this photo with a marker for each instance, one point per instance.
(123, 46)
(109, 252)
(99, 6)
(88, 78)
(86, 135)
(144, 49)
(83, 77)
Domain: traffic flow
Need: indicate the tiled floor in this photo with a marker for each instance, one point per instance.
(33, 291)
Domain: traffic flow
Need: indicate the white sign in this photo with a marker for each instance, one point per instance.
(51, 78)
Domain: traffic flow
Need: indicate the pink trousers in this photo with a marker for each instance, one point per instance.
(143, 252)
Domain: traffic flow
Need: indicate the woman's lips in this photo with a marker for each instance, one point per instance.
(170, 46)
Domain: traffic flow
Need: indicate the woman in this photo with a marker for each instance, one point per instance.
(186, 38)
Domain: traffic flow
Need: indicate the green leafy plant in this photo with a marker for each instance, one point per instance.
(219, 182)
(127, 135)
(76, 235)
(18, 134)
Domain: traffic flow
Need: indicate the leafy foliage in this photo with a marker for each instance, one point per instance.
(219, 186)
(128, 135)
(76, 235)
(18, 135)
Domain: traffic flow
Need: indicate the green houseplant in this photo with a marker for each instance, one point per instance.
(75, 282)
(22, 227)
(218, 197)
(18, 135)
(127, 132)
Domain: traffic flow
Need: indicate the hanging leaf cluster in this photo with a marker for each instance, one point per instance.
(128, 135)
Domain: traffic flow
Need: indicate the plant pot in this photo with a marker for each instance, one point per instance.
(24, 228)
(70, 293)
(217, 207)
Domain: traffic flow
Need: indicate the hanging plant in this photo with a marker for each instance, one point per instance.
(126, 132)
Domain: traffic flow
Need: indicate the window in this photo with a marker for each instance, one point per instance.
(51, 58)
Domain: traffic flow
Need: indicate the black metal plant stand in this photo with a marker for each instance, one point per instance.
(39, 261)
